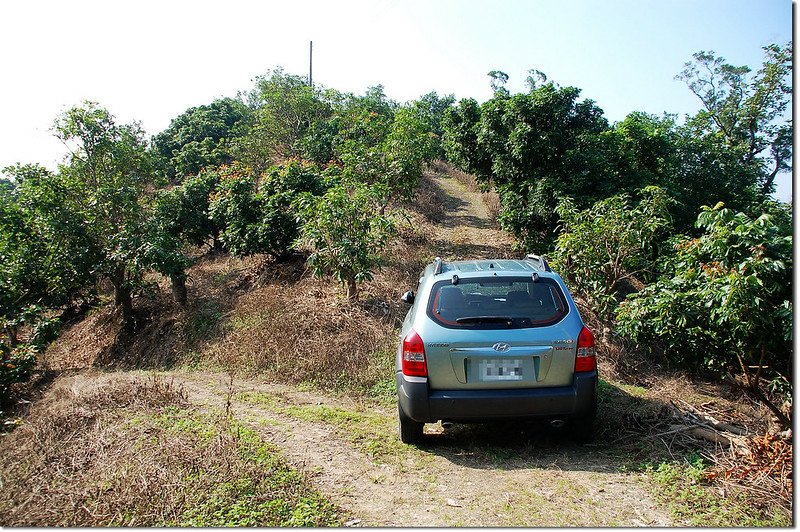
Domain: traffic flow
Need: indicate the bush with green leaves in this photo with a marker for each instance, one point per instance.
(724, 301)
(183, 211)
(201, 137)
(16, 365)
(432, 108)
(162, 251)
(345, 233)
(46, 256)
(613, 241)
(18, 358)
(285, 111)
(260, 217)
(237, 209)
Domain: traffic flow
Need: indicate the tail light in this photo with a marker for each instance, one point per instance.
(414, 364)
(586, 359)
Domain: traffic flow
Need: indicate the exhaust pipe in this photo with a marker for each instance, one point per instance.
(557, 423)
(447, 425)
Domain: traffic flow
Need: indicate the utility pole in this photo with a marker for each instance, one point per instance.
(310, 62)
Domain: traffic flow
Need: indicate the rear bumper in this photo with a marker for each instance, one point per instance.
(428, 406)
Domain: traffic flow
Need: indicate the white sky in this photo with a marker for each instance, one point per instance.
(151, 60)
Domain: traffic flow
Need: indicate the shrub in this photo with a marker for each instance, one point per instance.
(346, 234)
(610, 242)
(724, 302)
(16, 365)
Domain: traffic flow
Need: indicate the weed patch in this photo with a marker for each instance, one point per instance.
(373, 434)
(682, 487)
(132, 452)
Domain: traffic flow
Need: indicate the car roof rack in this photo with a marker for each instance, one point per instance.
(437, 265)
(542, 262)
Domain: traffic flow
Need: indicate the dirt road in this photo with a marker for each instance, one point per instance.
(465, 230)
(483, 475)
(466, 476)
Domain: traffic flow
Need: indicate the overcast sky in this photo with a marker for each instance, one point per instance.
(151, 60)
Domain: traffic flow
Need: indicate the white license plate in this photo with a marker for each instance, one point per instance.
(500, 369)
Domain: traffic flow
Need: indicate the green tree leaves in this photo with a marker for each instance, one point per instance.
(200, 137)
(724, 301)
(611, 242)
(746, 113)
(346, 234)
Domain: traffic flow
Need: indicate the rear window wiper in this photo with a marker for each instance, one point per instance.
(485, 319)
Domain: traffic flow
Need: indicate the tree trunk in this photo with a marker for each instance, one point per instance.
(179, 288)
(122, 298)
(11, 332)
(754, 391)
(124, 301)
(216, 247)
(352, 289)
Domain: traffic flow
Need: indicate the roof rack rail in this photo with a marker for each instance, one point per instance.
(541, 260)
(437, 265)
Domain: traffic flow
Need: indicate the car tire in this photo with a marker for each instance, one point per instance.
(410, 430)
(581, 428)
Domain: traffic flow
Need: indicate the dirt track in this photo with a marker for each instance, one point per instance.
(468, 476)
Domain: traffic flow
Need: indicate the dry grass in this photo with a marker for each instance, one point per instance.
(295, 328)
(304, 332)
(67, 465)
(490, 198)
(120, 451)
(429, 201)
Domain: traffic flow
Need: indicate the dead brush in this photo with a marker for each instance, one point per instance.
(104, 452)
(763, 466)
(492, 201)
(53, 465)
(428, 200)
(490, 198)
(302, 332)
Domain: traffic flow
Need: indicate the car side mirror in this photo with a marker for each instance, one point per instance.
(408, 297)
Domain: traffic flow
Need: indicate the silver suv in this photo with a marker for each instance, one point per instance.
(488, 340)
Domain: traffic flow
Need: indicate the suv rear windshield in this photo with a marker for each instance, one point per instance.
(497, 303)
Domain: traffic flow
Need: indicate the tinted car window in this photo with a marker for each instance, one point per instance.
(497, 303)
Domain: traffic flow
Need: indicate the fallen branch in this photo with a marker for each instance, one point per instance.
(714, 423)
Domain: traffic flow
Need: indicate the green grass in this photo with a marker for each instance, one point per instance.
(258, 488)
(258, 398)
(690, 499)
(200, 324)
(373, 433)
(384, 392)
(247, 322)
(177, 420)
(278, 498)
(609, 391)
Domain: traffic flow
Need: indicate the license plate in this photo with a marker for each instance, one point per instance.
(500, 369)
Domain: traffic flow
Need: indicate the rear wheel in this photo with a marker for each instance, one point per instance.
(410, 430)
(581, 428)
